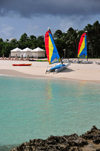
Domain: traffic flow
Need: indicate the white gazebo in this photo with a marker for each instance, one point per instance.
(38, 53)
(16, 52)
(26, 52)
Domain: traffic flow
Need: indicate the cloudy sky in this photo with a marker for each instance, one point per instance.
(35, 16)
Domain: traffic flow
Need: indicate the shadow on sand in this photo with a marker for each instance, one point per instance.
(66, 70)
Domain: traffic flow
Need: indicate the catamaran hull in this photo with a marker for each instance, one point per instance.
(62, 68)
(58, 68)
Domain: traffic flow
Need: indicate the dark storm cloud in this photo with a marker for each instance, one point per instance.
(28, 8)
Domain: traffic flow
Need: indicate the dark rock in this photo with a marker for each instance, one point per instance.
(78, 142)
(91, 139)
(97, 141)
(92, 134)
(75, 149)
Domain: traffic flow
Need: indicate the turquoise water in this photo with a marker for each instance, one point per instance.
(33, 108)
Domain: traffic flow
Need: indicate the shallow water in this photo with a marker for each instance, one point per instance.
(33, 108)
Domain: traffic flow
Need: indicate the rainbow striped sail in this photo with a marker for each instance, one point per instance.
(82, 48)
(51, 50)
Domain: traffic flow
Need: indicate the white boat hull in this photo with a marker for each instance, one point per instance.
(58, 68)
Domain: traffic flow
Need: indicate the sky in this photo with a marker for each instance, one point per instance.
(33, 17)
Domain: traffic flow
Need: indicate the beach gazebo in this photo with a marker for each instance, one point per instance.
(26, 52)
(16, 52)
(38, 53)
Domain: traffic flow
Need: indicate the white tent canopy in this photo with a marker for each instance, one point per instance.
(26, 52)
(38, 53)
(38, 50)
(15, 52)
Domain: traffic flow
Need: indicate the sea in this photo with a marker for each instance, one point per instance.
(39, 108)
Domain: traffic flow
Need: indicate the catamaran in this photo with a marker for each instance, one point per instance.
(82, 49)
(52, 54)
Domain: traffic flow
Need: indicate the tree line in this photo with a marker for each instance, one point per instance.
(66, 42)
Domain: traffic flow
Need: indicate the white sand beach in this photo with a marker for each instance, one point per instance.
(88, 72)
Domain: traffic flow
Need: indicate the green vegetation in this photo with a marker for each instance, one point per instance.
(40, 60)
(66, 42)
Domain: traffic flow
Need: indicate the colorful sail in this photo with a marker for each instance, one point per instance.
(51, 50)
(82, 48)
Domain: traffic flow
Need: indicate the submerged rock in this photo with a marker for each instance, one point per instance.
(90, 141)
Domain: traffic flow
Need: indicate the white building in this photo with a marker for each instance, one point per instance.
(38, 53)
(16, 52)
(26, 52)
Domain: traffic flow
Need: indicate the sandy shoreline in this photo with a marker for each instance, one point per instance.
(84, 72)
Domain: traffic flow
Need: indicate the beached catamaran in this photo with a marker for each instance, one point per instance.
(82, 49)
(52, 54)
